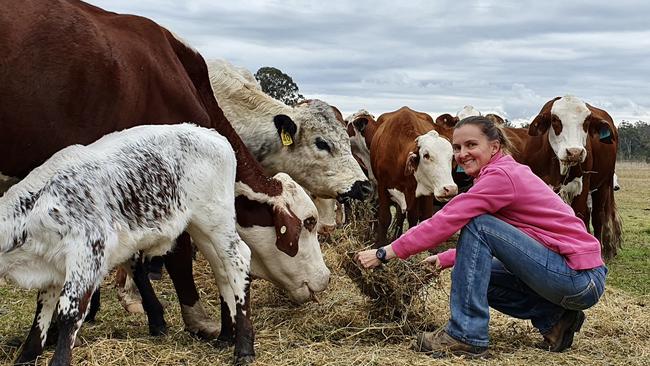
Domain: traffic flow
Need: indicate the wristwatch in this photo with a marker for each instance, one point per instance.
(381, 255)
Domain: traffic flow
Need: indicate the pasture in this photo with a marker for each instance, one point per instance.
(339, 331)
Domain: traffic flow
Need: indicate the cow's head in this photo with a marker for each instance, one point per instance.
(317, 153)
(495, 118)
(282, 235)
(569, 121)
(358, 125)
(467, 111)
(446, 120)
(330, 215)
(430, 163)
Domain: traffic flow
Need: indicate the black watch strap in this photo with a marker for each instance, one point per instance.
(381, 255)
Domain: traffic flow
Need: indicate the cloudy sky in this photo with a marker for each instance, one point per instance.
(502, 56)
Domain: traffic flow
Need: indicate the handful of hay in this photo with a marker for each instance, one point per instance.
(398, 290)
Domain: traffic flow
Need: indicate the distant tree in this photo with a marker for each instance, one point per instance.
(634, 141)
(278, 85)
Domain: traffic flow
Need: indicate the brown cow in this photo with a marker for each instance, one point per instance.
(72, 72)
(572, 147)
(410, 161)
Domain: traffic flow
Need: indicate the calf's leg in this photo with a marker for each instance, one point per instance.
(229, 258)
(33, 345)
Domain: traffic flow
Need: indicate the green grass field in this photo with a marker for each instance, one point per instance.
(630, 270)
(339, 331)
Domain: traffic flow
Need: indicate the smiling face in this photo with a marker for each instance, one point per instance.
(472, 149)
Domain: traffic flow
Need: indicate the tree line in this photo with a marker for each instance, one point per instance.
(634, 141)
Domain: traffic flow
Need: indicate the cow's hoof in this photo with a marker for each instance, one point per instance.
(224, 341)
(244, 360)
(198, 323)
(158, 330)
(204, 335)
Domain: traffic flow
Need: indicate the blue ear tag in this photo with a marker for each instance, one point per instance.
(605, 133)
(459, 169)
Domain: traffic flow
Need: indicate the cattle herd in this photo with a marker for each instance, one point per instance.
(126, 144)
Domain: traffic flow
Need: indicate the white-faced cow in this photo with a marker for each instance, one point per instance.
(361, 127)
(573, 148)
(90, 208)
(411, 161)
(306, 142)
(124, 71)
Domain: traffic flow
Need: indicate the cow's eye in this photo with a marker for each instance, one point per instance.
(309, 223)
(426, 156)
(323, 145)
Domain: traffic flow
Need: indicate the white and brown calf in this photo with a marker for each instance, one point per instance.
(90, 208)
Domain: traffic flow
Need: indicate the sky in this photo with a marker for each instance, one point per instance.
(500, 56)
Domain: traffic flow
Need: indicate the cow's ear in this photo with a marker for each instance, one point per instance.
(286, 129)
(601, 124)
(446, 120)
(360, 124)
(496, 119)
(603, 129)
(540, 124)
(412, 161)
(287, 230)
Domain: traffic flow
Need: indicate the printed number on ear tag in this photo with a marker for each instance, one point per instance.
(286, 138)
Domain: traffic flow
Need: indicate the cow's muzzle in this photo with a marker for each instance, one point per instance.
(360, 190)
(575, 155)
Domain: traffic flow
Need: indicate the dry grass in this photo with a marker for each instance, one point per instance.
(345, 328)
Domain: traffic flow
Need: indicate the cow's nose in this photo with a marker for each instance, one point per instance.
(366, 189)
(450, 190)
(575, 154)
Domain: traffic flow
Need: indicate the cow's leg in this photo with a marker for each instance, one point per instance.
(227, 334)
(150, 303)
(95, 303)
(85, 268)
(73, 303)
(606, 222)
(179, 266)
(229, 258)
(33, 345)
(397, 223)
(383, 217)
(425, 208)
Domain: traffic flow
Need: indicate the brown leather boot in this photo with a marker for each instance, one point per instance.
(560, 337)
(440, 344)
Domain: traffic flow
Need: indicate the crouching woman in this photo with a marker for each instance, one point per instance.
(521, 250)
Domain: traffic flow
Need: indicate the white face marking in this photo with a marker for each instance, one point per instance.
(467, 111)
(399, 198)
(433, 174)
(304, 272)
(572, 113)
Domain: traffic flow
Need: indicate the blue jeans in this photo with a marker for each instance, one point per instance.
(500, 266)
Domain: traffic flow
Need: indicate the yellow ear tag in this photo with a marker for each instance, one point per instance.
(286, 138)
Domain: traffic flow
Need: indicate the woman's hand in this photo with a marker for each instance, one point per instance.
(368, 258)
(434, 262)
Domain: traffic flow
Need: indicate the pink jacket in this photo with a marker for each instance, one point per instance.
(511, 192)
